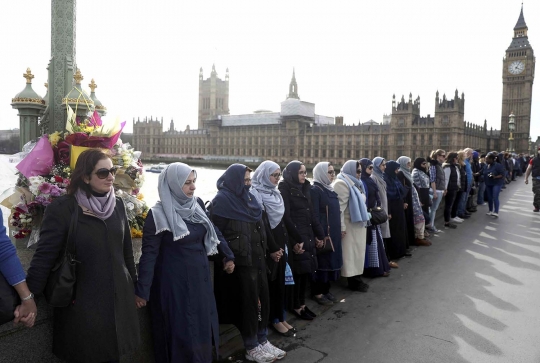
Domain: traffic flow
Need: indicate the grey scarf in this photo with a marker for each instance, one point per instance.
(101, 207)
(175, 206)
(267, 193)
(320, 175)
(403, 161)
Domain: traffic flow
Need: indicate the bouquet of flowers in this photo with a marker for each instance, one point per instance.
(45, 171)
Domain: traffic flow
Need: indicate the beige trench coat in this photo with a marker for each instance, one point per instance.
(354, 242)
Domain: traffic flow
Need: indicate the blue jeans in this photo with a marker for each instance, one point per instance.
(481, 191)
(254, 341)
(434, 206)
(463, 201)
(493, 192)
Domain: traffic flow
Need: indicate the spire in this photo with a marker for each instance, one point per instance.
(521, 21)
(28, 75)
(200, 74)
(293, 87)
(214, 73)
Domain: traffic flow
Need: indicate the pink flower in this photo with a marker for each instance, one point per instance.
(56, 192)
(45, 188)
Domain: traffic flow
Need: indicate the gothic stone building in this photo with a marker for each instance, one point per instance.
(296, 132)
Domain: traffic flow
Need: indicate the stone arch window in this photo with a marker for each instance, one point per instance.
(401, 121)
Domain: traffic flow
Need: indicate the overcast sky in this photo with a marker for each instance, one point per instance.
(349, 56)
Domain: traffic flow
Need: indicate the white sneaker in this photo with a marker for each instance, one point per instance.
(496, 215)
(490, 213)
(457, 220)
(259, 355)
(275, 351)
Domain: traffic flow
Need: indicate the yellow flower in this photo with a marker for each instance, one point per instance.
(140, 196)
(54, 138)
(136, 233)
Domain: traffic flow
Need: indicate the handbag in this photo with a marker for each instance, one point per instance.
(378, 216)
(328, 245)
(9, 300)
(60, 288)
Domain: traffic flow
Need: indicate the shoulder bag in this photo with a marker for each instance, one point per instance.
(378, 216)
(60, 289)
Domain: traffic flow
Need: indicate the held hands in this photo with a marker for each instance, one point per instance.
(276, 256)
(26, 313)
(319, 243)
(389, 217)
(229, 267)
(405, 205)
(299, 248)
(526, 181)
(343, 233)
(139, 302)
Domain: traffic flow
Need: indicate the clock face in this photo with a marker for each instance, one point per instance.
(516, 67)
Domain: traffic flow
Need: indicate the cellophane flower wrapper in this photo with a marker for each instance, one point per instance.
(39, 161)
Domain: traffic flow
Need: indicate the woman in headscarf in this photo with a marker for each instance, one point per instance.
(376, 260)
(264, 187)
(305, 232)
(397, 245)
(413, 211)
(174, 274)
(354, 220)
(421, 182)
(242, 297)
(326, 207)
(378, 177)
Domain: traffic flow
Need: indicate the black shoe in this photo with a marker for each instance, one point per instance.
(309, 312)
(449, 226)
(302, 315)
(288, 333)
(360, 288)
(464, 216)
(471, 210)
(331, 297)
(323, 300)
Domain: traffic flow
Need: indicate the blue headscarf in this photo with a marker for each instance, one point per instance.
(394, 189)
(233, 199)
(357, 207)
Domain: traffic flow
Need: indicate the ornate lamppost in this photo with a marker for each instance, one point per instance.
(511, 128)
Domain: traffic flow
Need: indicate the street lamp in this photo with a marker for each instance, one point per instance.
(511, 128)
(530, 146)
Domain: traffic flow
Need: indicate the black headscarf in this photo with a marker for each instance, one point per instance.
(290, 173)
(418, 164)
(366, 178)
(233, 199)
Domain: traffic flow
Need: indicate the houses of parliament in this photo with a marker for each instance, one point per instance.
(296, 132)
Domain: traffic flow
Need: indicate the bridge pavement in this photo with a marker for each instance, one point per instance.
(473, 296)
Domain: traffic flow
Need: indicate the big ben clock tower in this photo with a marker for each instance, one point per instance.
(518, 77)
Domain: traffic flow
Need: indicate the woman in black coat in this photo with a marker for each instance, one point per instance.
(264, 188)
(326, 207)
(101, 324)
(242, 297)
(303, 226)
(174, 273)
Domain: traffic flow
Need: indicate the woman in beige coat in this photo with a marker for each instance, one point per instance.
(354, 218)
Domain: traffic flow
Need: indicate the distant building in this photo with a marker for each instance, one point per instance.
(213, 96)
(297, 132)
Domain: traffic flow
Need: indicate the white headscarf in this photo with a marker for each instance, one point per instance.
(175, 206)
(267, 193)
(320, 175)
(403, 161)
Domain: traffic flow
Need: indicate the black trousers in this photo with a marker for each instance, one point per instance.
(455, 205)
(299, 290)
(448, 204)
(318, 288)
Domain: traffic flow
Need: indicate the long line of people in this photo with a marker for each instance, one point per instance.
(272, 236)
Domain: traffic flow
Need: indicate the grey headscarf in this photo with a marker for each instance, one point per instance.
(320, 175)
(175, 206)
(377, 172)
(403, 161)
(266, 193)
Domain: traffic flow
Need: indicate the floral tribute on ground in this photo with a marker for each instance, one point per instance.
(44, 173)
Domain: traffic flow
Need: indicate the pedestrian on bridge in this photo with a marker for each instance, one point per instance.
(534, 169)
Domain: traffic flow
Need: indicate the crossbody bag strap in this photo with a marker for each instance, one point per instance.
(327, 220)
(70, 245)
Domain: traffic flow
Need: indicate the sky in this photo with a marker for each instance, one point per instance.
(350, 57)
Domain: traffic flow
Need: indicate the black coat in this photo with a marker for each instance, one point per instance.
(239, 294)
(102, 323)
(302, 224)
